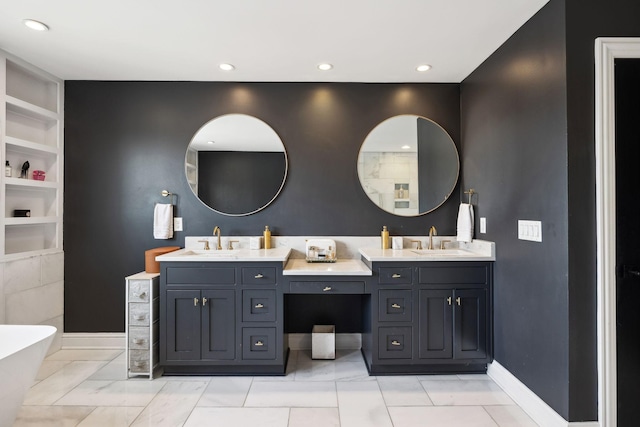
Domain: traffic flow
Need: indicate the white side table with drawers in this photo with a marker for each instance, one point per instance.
(141, 323)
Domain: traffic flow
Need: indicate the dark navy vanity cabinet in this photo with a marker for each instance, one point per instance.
(222, 318)
(430, 317)
(418, 317)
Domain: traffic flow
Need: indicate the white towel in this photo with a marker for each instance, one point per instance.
(163, 221)
(465, 223)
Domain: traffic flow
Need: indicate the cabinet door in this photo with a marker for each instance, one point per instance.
(183, 325)
(470, 338)
(435, 330)
(218, 325)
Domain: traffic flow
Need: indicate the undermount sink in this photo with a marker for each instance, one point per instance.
(441, 252)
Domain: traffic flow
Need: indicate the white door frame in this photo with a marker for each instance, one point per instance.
(606, 51)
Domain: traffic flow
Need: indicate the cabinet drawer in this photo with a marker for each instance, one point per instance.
(395, 275)
(139, 361)
(201, 276)
(259, 343)
(478, 274)
(258, 305)
(139, 291)
(259, 276)
(394, 343)
(139, 338)
(327, 287)
(139, 314)
(394, 305)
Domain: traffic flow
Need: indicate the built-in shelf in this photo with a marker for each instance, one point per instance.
(31, 128)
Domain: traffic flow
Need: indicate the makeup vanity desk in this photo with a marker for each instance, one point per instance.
(420, 313)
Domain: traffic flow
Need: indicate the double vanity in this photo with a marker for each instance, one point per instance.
(423, 311)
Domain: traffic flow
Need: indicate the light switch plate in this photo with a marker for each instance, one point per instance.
(530, 230)
(483, 225)
(177, 224)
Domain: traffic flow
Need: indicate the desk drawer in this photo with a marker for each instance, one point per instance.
(395, 275)
(327, 287)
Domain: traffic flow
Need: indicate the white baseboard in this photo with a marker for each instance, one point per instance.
(343, 341)
(537, 409)
(97, 340)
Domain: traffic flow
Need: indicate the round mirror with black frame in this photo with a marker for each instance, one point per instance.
(236, 164)
(408, 165)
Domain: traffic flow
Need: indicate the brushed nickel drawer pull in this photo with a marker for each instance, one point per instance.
(395, 342)
(258, 276)
(195, 302)
(259, 344)
(395, 306)
(259, 305)
(396, 276)
(142, 295)
(326, 289)
(449, 300)
(458, 300)
(204, 301)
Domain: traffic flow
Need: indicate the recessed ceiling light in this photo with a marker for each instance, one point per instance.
(325, 66)
(423, 67)
(227, 67)
(35, 25)
(405, 147)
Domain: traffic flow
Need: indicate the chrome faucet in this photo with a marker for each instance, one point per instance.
(216, 232)
(432, 232)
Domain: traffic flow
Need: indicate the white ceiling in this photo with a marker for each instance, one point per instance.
(277, 40)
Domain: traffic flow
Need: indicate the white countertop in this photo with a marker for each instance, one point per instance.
(236, 255)
(342, 267)
(425, 255)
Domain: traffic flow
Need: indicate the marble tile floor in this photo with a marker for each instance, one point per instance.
(89, 388)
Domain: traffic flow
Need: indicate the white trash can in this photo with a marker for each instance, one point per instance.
(323, 342)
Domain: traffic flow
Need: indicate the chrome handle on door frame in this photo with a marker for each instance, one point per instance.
(258, 276)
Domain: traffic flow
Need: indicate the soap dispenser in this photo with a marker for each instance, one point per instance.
(7, 169)
(384, 236)
(267, 237)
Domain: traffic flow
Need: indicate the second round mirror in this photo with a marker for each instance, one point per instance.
(408, 165)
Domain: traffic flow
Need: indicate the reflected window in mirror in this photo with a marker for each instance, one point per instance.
(408, 165)
(236, 164)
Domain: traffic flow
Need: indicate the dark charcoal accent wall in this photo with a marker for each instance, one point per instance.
(126, 141)
(513, 119)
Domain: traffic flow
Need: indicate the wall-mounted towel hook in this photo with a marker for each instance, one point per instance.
(166, 193)
(470, 192)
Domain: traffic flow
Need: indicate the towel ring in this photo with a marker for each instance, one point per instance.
(166, 193)
(470, 192)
